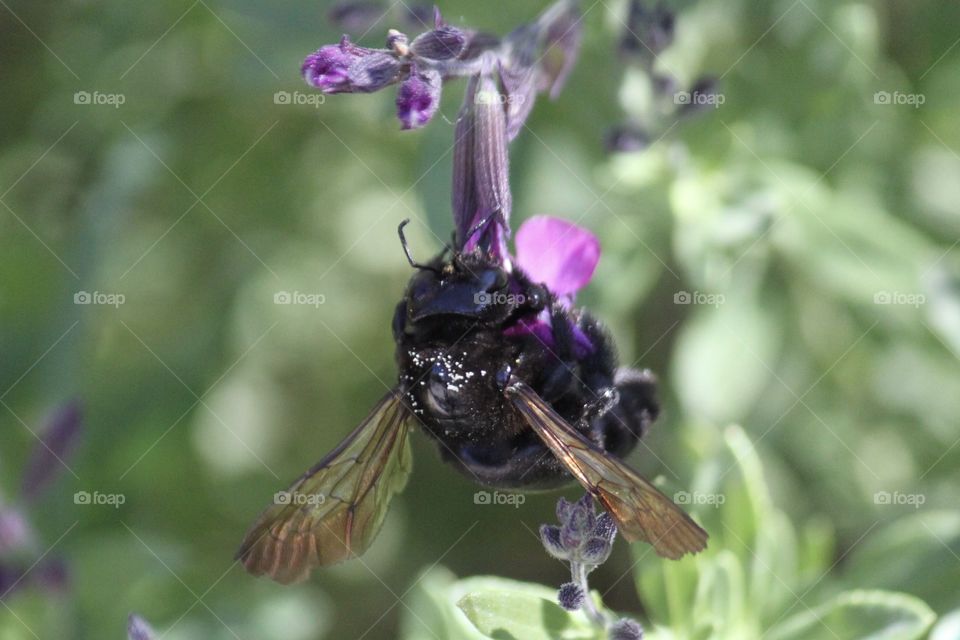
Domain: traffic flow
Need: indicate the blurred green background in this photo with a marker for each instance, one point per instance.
(811, 222)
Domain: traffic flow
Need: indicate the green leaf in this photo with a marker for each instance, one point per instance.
(515, 615)
(914, 554)
(859, 615)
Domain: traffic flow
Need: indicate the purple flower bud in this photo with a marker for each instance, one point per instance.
(626, 629)
(442, 43)
(564, 507)
(571, 537)
(550, 537)
(596, 551)
(606, 527)
(419, 97)
(56, 443)
(373, 71)
(138, 629)
(326, 68)
(571, 596)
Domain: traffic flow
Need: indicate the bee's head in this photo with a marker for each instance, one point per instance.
(469, 285)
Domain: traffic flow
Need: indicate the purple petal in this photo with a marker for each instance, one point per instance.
(419, 98)
(138, 629)
(443, 43)
(56, 443)
(560, 254)
(373, 72)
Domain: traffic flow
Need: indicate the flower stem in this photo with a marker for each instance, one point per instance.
(578, 573)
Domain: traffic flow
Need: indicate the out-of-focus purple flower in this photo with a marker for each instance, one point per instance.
(626, 138)
(560, 254)
(14, 531)
(703, 93)
(11, 579)
(417, 15)
(138, 629)
(626, 629)
(541, 56)
(355, 15)
(419, 98)
(561, 49)
(649, 30)
(51, 575)
(56, 442)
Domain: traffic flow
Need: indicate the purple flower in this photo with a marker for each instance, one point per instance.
(56, 443)
(14, 531)
(560, 254)
(326, 68)
(348, 68)
(138, 629)
(418, 98)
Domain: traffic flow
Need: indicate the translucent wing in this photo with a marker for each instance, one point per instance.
(334, 511)
(641, 511)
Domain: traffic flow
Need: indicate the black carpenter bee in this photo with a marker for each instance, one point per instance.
(507, 409)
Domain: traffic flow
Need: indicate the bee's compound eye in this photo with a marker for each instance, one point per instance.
(537, 297)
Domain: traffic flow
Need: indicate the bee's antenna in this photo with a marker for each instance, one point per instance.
(406, 250)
